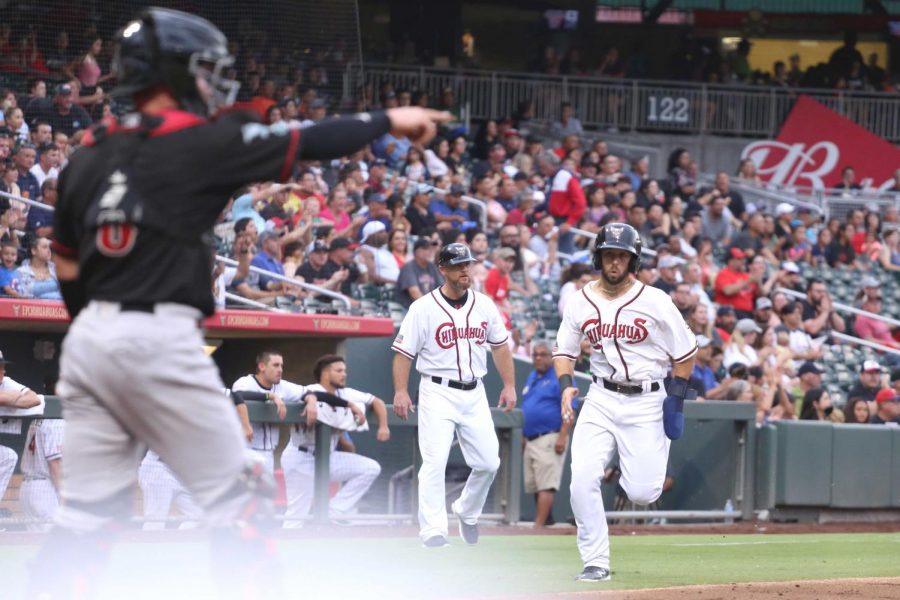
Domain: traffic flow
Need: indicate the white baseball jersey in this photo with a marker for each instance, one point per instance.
(265, 435)
(450, 342)
(634, 337)
(7, 424)
(43, 444)
(342, 418)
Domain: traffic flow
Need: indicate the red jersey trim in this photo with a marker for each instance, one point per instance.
(686, 356)
(291, 157)
(616, 325)
(176, 120)
(599, 324)
(499, 343)
(403, 352)
(469, 340)
(63, 250)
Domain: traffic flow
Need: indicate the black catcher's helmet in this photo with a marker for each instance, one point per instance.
(454, 254)
(618, 236)
(172, 48)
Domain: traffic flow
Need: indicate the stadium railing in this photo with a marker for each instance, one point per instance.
(631, 104)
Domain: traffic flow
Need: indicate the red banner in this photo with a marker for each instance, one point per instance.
(815, 144)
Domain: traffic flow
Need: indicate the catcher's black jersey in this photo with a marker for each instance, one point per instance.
(137, 204)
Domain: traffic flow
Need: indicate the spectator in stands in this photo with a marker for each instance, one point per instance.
(887, 411)
(717, 221)
(734, 286)
(340, 258)
(381, 265)
(419, 276)
(668, 273)
(573, 279)
(889, 256)
(546, 435)
(396, 207)
(61, 140)
(848, 180)
(436, 157)
(680, 179)
(223, 277)
(894, 379)
(524, 212)
(15, 122)
(543, 243)
(314, 269)
(308, 187)
(398, 244)
(567, 123)
(63, 113)
(567, 204)
(37, 277)
(819, 252)
(498, 281)
(819, 315)
(41, 133)
(856, 411)
(840, 252)
(789, 277)
(640, 173)
(750, 239)
(726, 320)
(797, 248)
(420, 216)
(449, 212)
(703, 377)
(269, 259)
(292, 257)
(763, 314)
(5, 145)
(817, 406)
(739, 348)
(27, 182)
(801, 343)
(47, 165)
(377, 210)
(809, 377)
(869, 382)
(876, 330)
(692, 275)
(40, 220)
(493, 165)
(9, 282)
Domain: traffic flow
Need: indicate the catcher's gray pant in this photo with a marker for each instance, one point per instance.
(355, 471)
(134, 379)
(39, 501)
(160, 488)
(8, 459)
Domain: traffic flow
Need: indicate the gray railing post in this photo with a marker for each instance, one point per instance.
(422, 78)
(704, 108)
(773, 111)
(494, 95)
(635, 104)
(565, 90)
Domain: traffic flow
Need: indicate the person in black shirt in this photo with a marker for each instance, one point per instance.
(418, 213)
(136, 204)
(869, 381)
(61, 112)
(340, 258)
(887, 402)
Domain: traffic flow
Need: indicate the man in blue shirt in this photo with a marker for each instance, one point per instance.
(449, 212)
(546, 436)
(269, 258)
(703, 378)
(28, 183)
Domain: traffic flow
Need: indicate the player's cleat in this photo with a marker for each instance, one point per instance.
(469, 533)
(436, 541)
(594, 574)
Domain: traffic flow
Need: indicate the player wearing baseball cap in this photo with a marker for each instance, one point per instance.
(637, 335)
(447, 332)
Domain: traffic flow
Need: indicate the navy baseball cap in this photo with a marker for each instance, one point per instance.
(809, 367)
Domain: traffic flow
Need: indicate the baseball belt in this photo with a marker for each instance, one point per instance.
(621, 388)
(456, 385)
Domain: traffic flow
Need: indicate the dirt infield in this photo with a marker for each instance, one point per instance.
(875, 588)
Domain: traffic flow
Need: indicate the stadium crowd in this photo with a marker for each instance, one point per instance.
(367, 226)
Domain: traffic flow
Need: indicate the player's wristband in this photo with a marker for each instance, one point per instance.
(678, 387)
(566, 381)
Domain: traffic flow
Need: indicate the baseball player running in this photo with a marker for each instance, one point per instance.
(13, 395)
(636, 334)
(41, 471)
(354, 471)
(135, 208)
(449, 330)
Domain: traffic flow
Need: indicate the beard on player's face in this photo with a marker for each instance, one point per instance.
(616, 279)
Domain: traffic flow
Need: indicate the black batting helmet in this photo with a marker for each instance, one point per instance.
(171, 48)
(454, 254)
(618, 236)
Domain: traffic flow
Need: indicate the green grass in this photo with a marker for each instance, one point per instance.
(393, 568)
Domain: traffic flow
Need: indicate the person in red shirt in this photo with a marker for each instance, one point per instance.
(496, 285)
(734, 286)
(567, 204)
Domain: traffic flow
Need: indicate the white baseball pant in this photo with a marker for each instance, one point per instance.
(39, 501)
(160, 488)
(441, 412)
(610, 421)
(354, 471)
(129, 380)
(8, 460)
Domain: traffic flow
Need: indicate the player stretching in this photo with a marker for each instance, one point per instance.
(636, 333)
(448, 330)
(136, 206)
